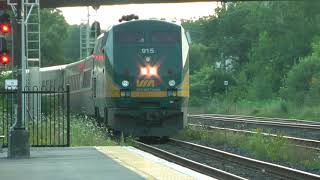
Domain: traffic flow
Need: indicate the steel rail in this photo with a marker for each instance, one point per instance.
(307, 143)
(207, 170)
(266, 123)
(285, 172)
(263, 118)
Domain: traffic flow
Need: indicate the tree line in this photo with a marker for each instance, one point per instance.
(265, 50)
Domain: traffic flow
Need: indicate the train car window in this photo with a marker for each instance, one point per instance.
(47, 84)
(68, 81)
(72, 83)
(94, 88)
(78, 81)
(75, 82)
(165, 37)
(55, 84)
(97, 46)
(130, 37)
(86, 79)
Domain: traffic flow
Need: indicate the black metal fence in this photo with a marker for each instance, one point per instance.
(47, 115)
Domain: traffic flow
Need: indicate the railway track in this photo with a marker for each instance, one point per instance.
(306, 143)
(208, 161)
(202, 168)
(265, 118)
(294, 128)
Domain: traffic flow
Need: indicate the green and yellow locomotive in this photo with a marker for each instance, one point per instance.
(137, 78)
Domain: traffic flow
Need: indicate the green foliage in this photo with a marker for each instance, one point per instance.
(303, 82)
(86, 132)
(197, 57)
(71, 44)
(3, 77)
(273, 47)
(54, 30)
(209, 81)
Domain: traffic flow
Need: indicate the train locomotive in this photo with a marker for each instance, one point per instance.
(136, 80)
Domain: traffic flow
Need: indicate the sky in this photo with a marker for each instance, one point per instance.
(108, 15)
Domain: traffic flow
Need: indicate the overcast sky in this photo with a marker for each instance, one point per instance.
(108, 15)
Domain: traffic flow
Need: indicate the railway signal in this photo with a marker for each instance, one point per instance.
(4, 53)
(5, 26)
(5, 57)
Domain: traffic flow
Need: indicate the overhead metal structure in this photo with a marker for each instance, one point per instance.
(72, 3)
(88, 35)
(95, 3)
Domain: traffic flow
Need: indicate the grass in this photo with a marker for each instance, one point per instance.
(268, 108)
(86, 132)
(276, 149)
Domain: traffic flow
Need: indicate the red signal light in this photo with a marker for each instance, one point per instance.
(5, 28)
(5, 58)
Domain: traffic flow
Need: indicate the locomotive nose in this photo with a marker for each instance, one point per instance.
(152, 116)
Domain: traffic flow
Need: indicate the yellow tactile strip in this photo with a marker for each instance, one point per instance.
(142, 166)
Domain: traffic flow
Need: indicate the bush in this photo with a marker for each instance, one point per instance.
(208, 83)
(303, 82)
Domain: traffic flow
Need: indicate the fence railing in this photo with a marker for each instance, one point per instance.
(46, 112)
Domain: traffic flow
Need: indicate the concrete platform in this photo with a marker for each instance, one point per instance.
(93, 163)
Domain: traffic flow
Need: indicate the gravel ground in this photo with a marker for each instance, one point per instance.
(294, 132)
(219, 163)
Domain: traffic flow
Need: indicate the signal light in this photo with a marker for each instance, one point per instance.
(5, 28)
(5, 57)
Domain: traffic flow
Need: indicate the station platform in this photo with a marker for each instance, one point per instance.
(92, 163)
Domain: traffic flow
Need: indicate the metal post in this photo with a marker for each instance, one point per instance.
(23, 61)
(19, 47)
(18, 146)
(68, 115)
(19, 59)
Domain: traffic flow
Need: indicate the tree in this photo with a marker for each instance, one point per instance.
(303, 82)
(71, 44)
(54, 30)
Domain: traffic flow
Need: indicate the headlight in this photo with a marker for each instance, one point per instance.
(153, 71)
(143, 71)
(125, 83)
(172, 83)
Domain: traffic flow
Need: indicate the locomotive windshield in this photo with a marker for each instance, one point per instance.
(130, 37)
(165, 37)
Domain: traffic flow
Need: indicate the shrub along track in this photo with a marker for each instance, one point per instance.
(306, 143)
(294, 128)
(208, 161)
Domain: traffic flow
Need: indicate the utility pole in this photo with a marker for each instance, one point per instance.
(18, 146)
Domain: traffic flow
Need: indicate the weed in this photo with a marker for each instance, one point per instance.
(86, 132)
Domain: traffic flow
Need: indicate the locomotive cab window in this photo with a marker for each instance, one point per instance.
(130, 37)
(165, 37)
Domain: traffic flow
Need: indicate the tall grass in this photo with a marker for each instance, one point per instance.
(86, 132)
